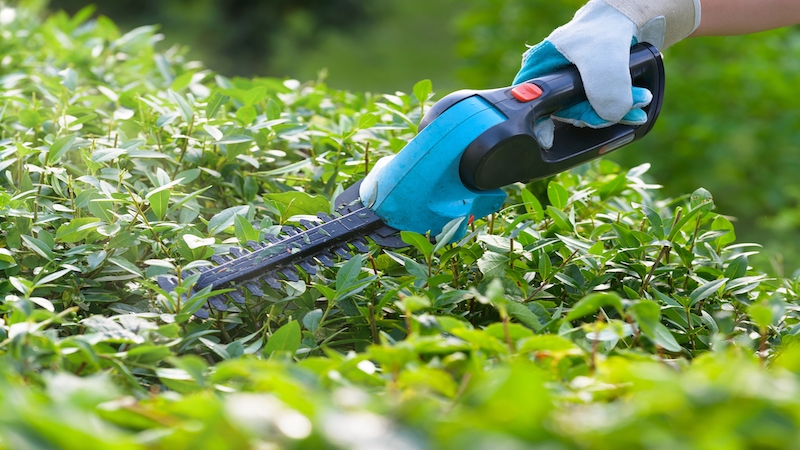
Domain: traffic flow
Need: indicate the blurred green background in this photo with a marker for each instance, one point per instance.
(731, 120)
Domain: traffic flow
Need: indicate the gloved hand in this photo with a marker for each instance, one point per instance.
(598, 41)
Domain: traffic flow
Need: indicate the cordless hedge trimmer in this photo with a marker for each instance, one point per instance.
(470, 144)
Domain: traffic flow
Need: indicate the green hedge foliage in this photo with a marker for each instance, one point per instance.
(592, 312)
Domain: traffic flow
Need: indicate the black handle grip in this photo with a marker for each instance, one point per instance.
(508, 152)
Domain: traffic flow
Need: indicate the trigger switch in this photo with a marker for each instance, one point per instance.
(526, 92)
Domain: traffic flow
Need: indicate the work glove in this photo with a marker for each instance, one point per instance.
(597, 41)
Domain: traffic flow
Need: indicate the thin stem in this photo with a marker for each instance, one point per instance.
(661, 254)
(547, 280)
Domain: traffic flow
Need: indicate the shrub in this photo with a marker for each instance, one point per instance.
(587, 314)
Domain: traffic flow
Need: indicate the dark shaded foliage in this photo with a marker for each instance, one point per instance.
(238, 36)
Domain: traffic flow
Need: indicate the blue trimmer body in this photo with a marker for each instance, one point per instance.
(471, 143)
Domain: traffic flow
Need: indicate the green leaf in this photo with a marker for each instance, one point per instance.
(420, 242)
(547, 343)
(215, 103)
(532, 205)
(254, 95)
(422, 90)
(559, 218)
(664, 339)
(102, 209)
(721, 223)
(545, 265)
(213, 131)
(273, 110)
(29, 118)
(166, 119)
(449, 232)
(647, 315)
(414, 268)
(312, 320)
(193, 365)
(159, 202)
(181, 81)
(558, 196)
(126, 265)
(367, 120)
(349, 272)
(592, 303)
(761, 314)
(244, 230)
(626, 238)
(60, 148)
(656, 225)
(706, 290)
(69, 79)
(52, 276)
(326, 291)
(183, 106)
(225, 218)
(6, 259)
(24, 286)
(300, 203)
(613, 187)
(77, 230)
(737, 268)
(246, 114)
(39, 247)
(285, 339)
(700, 208)
(524, 315)
(493, 264)
(111, 331)
(413, 303)
(700, 197)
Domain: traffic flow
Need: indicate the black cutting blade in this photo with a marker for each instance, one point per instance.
(307, 247)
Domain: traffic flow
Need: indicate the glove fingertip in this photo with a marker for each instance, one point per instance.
(634, 117)
(544, 131)
(641, 97)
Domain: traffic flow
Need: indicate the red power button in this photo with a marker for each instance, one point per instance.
(526, 92)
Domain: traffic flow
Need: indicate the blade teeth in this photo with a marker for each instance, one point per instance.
(167, 282)
(325, 259)
(238, 252)
(218, 302)
(290, 231)
(307, 224)
(271, 281)
(308, 266)
(219, 259)
(202, 313)
(290, 273)
(324, 217)
(390, 239)
(343, 252)
(237, 296)
(202, 269)
(254, 288)
(272, 239)
(254, 245)
(361, 245)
